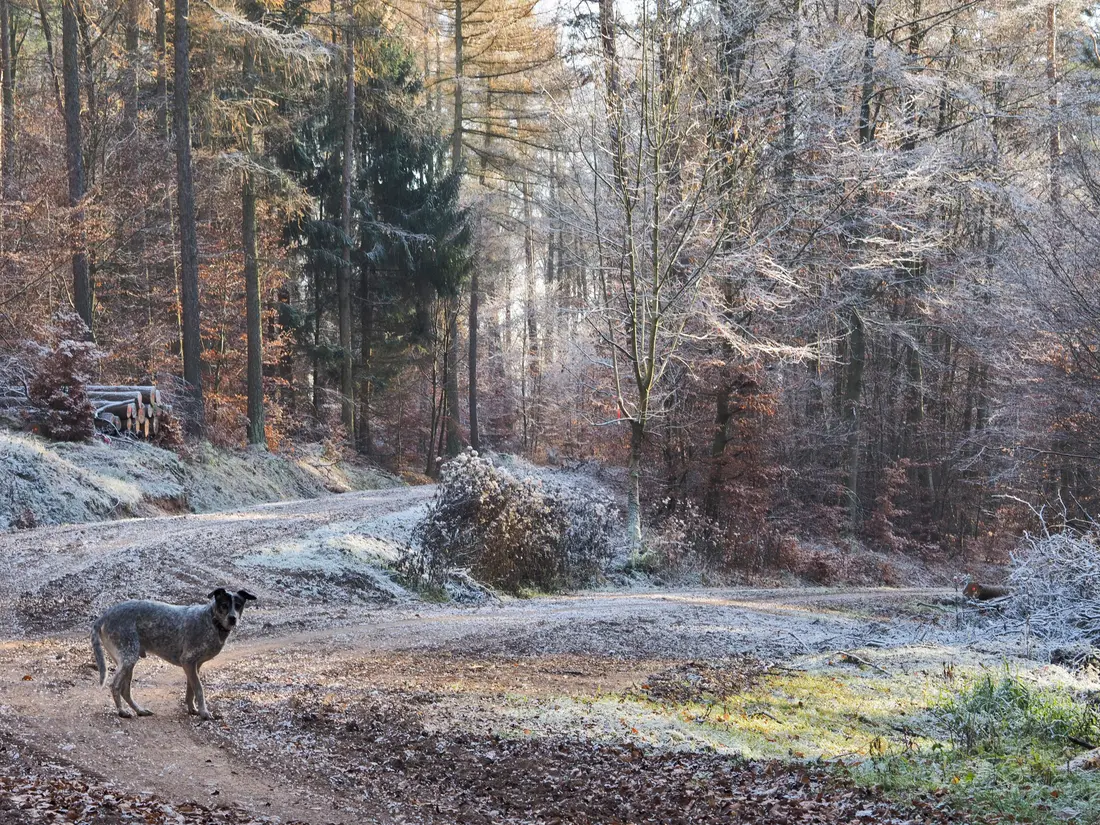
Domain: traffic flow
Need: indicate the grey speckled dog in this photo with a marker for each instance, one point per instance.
(185, 636)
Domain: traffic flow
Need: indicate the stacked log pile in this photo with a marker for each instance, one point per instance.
(138, 410)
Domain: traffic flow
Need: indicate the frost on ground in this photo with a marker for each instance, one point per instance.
(563, 710)
(301, 558)
(343, 699)
(44, 483)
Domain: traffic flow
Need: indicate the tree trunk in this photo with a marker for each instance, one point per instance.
(786, 166)
(7, 98)
(475, 435)
(162, 66)
(130, 75)
(456, 135)
(189, 242)
(723, 414)
(366, 386)
(531, 329)
(866, 126)
(853, 390)
(454, 424)
(634, 490)
(93, 143)
(347, 378)
(318, 380)
(253, 311)
(70, 58)
(47, 35)
(1055, 147)
(256, 434)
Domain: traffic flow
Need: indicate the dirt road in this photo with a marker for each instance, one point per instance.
(342, 700)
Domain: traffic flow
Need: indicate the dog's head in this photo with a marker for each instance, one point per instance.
(229, 606)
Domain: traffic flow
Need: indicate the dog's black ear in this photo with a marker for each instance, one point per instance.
(244, 594)
(220, 593)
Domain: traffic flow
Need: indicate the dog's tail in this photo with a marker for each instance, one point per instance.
(97, 649)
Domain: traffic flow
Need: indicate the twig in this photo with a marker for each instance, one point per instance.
(846, 656)
(805, 646)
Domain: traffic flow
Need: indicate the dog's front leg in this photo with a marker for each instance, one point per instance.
(194, 689)
(189, 696)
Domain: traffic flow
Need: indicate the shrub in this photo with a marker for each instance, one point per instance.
(1055, 585)
(684, 542)
(510, 533)
(1006, 714)
(58, 391)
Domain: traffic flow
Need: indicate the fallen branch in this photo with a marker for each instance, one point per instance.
(846, 656)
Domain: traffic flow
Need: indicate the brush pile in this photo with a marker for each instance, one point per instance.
(1055, 584)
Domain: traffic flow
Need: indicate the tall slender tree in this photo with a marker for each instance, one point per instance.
(347, 368)
(74, 155)
(7, 91)
(188, 231)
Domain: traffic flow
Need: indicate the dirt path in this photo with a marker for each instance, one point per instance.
(343, 702)
(444, 669)
(318, 554)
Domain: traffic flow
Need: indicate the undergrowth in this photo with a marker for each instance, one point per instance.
(991, 745)
(518, 535)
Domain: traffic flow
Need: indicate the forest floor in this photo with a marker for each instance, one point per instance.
(345, 699)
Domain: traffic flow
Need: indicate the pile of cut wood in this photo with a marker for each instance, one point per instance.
(137, 410)
(133, 409)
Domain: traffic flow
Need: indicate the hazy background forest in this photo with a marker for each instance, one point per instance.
(807, 269)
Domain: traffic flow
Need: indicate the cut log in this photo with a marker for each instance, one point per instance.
(149, 394)
(105, 397)
(112, 421)
(123, 409)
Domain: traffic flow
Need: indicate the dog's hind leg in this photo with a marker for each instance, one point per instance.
(129, 699)
(122, 677)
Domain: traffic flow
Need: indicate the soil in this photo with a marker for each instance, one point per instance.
(344, 699)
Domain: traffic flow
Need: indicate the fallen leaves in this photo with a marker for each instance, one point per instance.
(36, 791)
(380, 749)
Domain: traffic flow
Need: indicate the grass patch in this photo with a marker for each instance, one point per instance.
(1005, 739)
(991, 743)
(807, 715)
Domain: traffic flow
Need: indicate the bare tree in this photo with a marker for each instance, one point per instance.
(188, 232)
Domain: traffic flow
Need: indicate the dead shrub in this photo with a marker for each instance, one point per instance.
(510, 533)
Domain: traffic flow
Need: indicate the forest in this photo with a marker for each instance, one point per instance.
(805, 269)
(656, 412)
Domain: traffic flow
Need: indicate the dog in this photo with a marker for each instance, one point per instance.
(187, 636)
